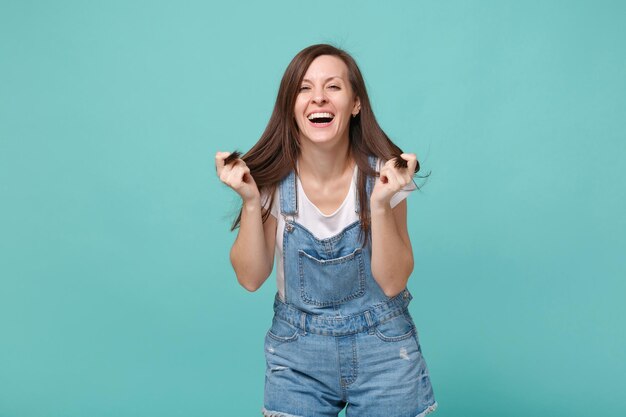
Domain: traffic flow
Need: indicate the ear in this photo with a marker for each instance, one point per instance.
(357, 106)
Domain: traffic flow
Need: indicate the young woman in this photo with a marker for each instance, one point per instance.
(324, 193)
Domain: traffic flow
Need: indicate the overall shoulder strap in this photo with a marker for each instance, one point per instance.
(288, 194)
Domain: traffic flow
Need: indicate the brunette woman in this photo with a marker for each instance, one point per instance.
(324, 193)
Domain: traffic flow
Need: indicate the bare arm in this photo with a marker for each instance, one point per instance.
(252, 254)
(392, 254)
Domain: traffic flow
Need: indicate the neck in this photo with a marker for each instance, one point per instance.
(325, 164)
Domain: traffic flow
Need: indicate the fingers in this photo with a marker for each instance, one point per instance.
(223, 159)
(389, 175)
(397, 178)
(411, 159)
(390, 179)
(219, 160)
(237, 174)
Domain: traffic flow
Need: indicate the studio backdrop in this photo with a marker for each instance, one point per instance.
(117, 297)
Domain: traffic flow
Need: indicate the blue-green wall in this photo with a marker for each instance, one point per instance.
(116, 293)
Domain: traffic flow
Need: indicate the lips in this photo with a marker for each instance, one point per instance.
(321, 118)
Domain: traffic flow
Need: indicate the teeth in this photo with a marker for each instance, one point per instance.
(316, 115)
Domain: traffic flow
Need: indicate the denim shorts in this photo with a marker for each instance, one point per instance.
(375, 371)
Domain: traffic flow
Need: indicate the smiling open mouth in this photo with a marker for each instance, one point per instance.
(321, 118)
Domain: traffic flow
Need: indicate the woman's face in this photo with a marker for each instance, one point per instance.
(325, 101)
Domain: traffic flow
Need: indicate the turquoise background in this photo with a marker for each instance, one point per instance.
(117, 297)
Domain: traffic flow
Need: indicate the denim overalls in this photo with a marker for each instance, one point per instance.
(337, 339)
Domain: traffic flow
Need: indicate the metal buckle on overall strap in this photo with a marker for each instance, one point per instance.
(288, 222)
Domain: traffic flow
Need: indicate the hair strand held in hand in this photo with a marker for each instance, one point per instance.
(232, 157)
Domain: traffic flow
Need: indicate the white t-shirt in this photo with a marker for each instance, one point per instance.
(321, 225)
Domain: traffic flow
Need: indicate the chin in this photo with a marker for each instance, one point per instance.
(323, 140)
(322, 137)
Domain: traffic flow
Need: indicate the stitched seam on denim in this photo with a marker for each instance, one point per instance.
(285, 243)
(283, 338)
(320, 320)
(303, 323)
(286, 190)
(339, 377)
(391, 315)
(294, 194)
(400, 337)
(359, 292)
(354, 365)
(330, 239)
(394, 338)
(352, 324)
(416, 336)
(332, 261)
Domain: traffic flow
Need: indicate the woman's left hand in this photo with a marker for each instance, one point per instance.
(392, 180)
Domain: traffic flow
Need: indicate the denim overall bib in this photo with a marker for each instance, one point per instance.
(337, 340)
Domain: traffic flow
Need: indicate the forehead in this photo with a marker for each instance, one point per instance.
(326, 66)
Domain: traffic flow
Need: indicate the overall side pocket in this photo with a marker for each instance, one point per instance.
(282, 331)
(398, 328)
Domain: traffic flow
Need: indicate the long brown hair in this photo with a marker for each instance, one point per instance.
(276, 152)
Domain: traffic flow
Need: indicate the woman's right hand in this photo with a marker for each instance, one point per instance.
(237, 176)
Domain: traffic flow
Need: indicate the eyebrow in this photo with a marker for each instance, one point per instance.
(329, 78)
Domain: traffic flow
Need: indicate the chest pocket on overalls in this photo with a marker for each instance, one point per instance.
(325, 282)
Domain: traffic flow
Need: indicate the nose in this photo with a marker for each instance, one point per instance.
(319, 97)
